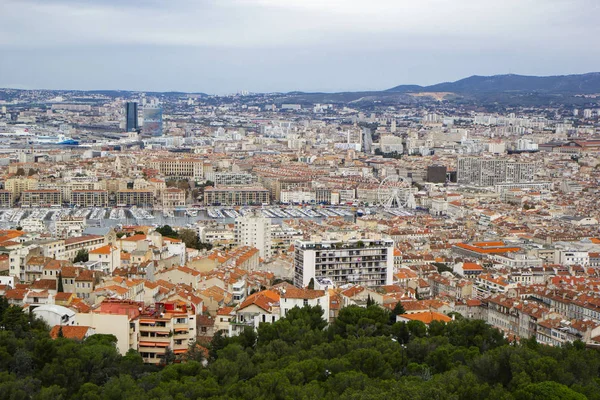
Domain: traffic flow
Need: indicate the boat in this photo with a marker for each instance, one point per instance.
(59, 139)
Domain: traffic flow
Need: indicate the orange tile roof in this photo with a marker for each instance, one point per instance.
(70, 332)
(134, 238)
(427, 317)
(295, 293)
(103, 250)
(224, 310)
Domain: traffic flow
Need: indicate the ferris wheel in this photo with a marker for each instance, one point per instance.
(394, 192)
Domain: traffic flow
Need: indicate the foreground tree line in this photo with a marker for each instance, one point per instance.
(363, 355)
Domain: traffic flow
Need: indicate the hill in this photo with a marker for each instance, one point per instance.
(560, 84)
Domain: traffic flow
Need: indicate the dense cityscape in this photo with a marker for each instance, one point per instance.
(269, 199)
(445, 210)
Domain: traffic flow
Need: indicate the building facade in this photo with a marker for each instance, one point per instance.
(362, 262)
(254, 231)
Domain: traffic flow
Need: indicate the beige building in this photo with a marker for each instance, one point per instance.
(41, 198)
(6, 198)
(17, 185)
(173, 197)
(135, 197)
(87, 243)
(182, 168)
(89, 198)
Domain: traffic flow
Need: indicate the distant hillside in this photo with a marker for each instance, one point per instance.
(573, 84)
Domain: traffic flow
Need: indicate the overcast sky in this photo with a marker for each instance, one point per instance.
(225, 46)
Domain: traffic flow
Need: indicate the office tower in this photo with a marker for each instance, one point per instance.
(152, 120)
(131, 121)
(255, 231)
(479, 171)
(364, 262)
(436, 174)
(367, 141)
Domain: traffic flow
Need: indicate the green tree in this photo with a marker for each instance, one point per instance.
(60, 288)
(370, 301)
(548, 391)
(311, 284)
(398, 309)
(189, 237)
(167, 231)
(82, 256)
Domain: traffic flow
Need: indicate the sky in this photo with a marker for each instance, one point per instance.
(226, 46)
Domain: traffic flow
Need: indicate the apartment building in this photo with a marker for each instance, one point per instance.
(179, 168)
(69, 226)
(41, 198)
(135, 197)
(363, 262)
(231, 178)
(89, 198)
(483, 171)
(87, 243)
(18, 185)
(254, 231)
(235, 196)
(6, 198)
(169, 325)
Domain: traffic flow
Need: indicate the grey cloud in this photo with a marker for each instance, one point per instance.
(278, 45)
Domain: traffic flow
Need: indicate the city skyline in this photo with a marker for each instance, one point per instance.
(271, 46)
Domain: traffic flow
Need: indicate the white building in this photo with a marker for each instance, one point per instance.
(391, 144)
(364, 262)
(255, 231)
(55, 315)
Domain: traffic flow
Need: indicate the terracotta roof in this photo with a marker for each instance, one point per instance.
(70, 332)
(48, 284)
(63, 296)
(85, 275)
(295, 293)
(103, 250)
(224, 311)
(427, 317)
(134, 238)
(82, 239)
(265, 299)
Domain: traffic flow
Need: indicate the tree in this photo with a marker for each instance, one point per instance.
(189, 237)
(311, 284)
(60, 288)
(370, 301)
(167, 231)
(82, 256)
(20, 172)
(398, 309)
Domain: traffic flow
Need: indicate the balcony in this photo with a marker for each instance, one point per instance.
(149, 328)
(155, 339)
(183, 325)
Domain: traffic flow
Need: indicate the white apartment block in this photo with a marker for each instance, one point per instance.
(484, 171)
(364, 262)
(254, 231)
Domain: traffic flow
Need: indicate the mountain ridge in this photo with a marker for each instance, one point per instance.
(574, 83)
